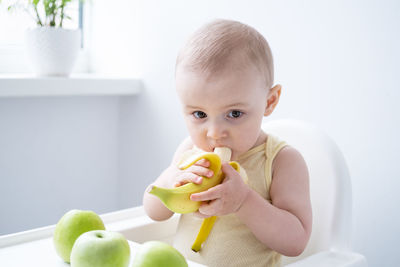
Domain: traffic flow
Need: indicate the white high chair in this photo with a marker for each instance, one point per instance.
(330, 189)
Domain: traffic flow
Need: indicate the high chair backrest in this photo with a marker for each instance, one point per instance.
(330, 185)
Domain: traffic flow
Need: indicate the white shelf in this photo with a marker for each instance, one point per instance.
(77, 85)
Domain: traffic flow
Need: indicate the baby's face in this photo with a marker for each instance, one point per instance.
(224, 110)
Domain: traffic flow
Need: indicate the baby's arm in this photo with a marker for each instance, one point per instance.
(173, 176)
(284, 225)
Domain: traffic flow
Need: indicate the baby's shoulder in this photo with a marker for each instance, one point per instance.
(184, 146)
(288, 159)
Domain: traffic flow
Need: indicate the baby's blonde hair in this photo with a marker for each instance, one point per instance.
(213, 47)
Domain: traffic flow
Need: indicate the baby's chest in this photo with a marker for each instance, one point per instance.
(257, 177)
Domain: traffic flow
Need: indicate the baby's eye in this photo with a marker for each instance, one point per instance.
(235, 114)
(199, 114)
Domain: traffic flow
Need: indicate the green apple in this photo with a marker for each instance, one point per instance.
(71, 226)
(157, 253)
(100, 248)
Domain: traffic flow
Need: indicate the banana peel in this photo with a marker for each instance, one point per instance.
(204, 232)
(208, 223)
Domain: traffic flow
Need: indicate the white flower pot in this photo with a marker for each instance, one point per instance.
(52, 51)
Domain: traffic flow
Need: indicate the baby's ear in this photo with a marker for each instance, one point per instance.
(272, 99)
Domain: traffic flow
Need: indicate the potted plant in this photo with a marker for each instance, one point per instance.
(51, 47)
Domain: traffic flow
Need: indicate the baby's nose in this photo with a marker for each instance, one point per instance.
(216, 131)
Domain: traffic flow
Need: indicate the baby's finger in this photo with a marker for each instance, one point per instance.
(201, 171)
(211, 208)
(188, 177)
(203, 162)
(200, 215)
(210, 194)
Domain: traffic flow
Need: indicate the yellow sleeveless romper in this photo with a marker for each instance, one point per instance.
(230, 242)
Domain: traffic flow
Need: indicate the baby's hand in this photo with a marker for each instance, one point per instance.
(224, 198)
(194, 173)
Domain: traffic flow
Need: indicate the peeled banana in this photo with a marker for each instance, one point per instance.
(178, 199)
(208, 223)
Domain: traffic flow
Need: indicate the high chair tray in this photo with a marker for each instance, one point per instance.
(35, 247)
(41, 253)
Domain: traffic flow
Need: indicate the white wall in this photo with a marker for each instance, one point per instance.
(56, 154)
(336, 61)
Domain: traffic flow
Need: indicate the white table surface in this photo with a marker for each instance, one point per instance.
(41, 253)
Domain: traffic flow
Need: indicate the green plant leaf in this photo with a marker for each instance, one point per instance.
(54, 10)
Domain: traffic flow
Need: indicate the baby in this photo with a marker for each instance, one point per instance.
(224, 80)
